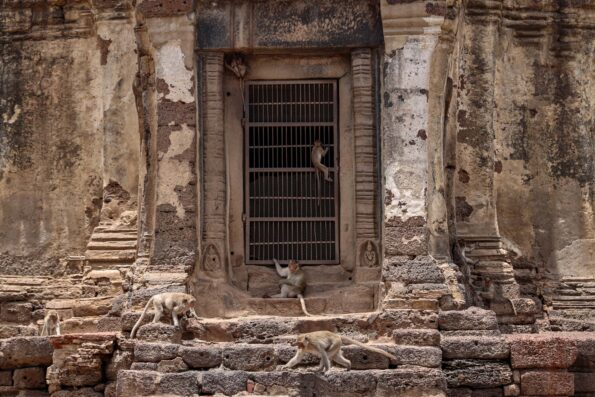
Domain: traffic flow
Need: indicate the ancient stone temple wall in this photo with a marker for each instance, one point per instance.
(69, 140)
(466, 197)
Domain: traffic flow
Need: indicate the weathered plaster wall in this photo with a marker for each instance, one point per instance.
(525, 135)
(68, 130)
(172, 38)
(51, 142)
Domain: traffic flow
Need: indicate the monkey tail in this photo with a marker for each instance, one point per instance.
(348, 341)
(133, 333)
(303, 303)
(318, 186)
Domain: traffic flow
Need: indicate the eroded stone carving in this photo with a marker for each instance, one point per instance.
(212, 260)
(369, 257)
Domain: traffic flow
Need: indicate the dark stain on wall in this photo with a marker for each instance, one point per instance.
(464, 176)
(463, 209)
(103, 46)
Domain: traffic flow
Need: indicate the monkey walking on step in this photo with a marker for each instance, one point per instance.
(327, 345)
(175, 302)
(294, 284)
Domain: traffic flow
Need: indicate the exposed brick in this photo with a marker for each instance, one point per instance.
(547, 383)
(542, 352)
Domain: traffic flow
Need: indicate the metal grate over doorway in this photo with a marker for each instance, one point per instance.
(287, 216)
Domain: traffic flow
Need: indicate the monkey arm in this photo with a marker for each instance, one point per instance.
(280, 271)
(285, 282)
(58, 327)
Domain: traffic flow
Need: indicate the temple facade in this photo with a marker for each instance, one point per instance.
(429, 164)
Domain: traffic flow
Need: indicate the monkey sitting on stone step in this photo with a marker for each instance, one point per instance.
(327, 345)
(51, 323)
(175, 302)
(294, 284)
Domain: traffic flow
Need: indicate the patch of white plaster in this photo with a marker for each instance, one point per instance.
(173, 172)
(576, 259)
(171, 68)
(15, 115)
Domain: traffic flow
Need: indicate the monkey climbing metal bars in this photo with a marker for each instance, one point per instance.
(287, 216)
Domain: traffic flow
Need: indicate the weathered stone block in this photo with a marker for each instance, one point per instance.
(547, 383)
(364, 359)
(119, 361)
(473, 318)
(83, 392)
(11, 331)
(137, 383)
(418, 337)
(225, 382)
(144, 366)
(180, 384)
(424, 356)
(16, 312)
(155, 352)
(584, 382)
(249, 357)
(206, 356)
(175, 365)
(475, 347)
(29, 378)
(476, 373)
(512, 390)
(159, 332)
(542, 351)
(5, 378)
(25, 352)
(412, 380)
(422, 269)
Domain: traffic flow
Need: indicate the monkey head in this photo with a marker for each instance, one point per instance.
(302, 341)
(317, 142)
(189, 301)
(294, 266)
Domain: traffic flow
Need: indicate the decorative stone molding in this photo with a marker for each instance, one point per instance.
(366, 185)
(213, 157)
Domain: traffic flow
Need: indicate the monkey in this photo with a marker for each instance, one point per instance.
(51, 323)
(294, 284)
(176, 302)
(318, 152)
(328, 346)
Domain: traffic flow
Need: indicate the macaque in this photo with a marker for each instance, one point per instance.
(327, 345)
(175, 302)
(294, 283)
(318, 152)
(51, 323)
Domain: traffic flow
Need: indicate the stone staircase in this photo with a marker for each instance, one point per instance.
(111, 247)
(246, 355)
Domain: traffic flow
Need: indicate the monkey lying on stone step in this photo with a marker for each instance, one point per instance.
(294, 284)
(51, 323)
(327, 345)
(175, 302)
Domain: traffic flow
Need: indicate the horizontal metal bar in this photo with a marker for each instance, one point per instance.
(276, 169)
(289, 82)
(290, 198)
(294, 242)
(291, 219)
(290, 124)
(284, 262)
(289, 103)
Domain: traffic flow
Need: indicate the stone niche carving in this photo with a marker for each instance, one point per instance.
(368, 254)
(211, 261)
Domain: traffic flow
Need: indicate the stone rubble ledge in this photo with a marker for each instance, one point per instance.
(258, 357)
(416, 381)
(267, 329)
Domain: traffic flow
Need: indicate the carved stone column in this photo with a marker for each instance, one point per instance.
(214, 259)
(366, 183)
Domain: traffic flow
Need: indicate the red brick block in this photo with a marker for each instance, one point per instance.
(542, 352)
(547, 383)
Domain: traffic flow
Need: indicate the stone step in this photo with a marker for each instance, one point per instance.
(111, 244)
(269, 357)
(111, 256)
(114, 236)
(409, 380)
(267, 329)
